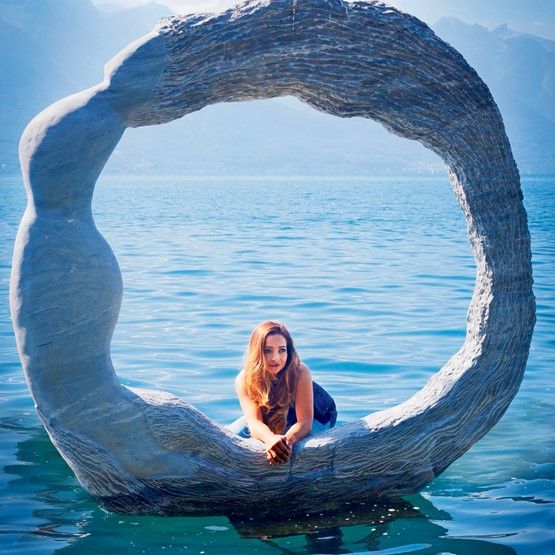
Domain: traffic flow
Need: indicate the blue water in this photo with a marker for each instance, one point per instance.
(372, 276)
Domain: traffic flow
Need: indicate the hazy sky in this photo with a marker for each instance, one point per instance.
(530, 16)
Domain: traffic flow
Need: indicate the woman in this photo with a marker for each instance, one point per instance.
(277, 394)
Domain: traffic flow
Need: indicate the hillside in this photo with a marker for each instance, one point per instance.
(49, 50)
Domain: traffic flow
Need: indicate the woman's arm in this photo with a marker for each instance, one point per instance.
(304, 407)
(277, 446)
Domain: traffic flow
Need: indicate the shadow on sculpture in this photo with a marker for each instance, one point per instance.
(145, 452)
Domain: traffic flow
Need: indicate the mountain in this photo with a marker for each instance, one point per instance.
(520, 71)
(276, 137)
(50, 49)
(285, 136)
(531, 16)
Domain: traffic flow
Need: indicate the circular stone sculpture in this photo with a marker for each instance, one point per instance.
(139, 451)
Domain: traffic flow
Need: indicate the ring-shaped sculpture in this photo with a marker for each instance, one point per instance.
(138, 451)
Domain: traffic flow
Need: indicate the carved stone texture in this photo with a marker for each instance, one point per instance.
(139, 451)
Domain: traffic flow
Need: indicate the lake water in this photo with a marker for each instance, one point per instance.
(372, 276)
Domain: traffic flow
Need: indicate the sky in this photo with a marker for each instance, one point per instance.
(529, 16)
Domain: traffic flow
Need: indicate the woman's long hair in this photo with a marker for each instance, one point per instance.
(274, 395)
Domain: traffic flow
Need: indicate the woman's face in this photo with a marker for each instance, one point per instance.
(275, 353)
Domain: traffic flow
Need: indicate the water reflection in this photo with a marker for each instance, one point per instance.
(383, 527)
(350, 514)
(59, 517)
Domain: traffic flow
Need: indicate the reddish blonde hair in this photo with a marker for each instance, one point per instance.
(274, 396)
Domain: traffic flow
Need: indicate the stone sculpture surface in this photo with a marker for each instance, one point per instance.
(139, 451)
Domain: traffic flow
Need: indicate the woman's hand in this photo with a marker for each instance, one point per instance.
(278, 449)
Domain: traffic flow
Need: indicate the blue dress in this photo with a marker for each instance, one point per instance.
(325, 414)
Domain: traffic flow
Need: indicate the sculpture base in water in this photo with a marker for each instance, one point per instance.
(149, 452)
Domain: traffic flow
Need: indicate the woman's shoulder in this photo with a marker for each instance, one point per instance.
(240, 378)
(304, 370)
